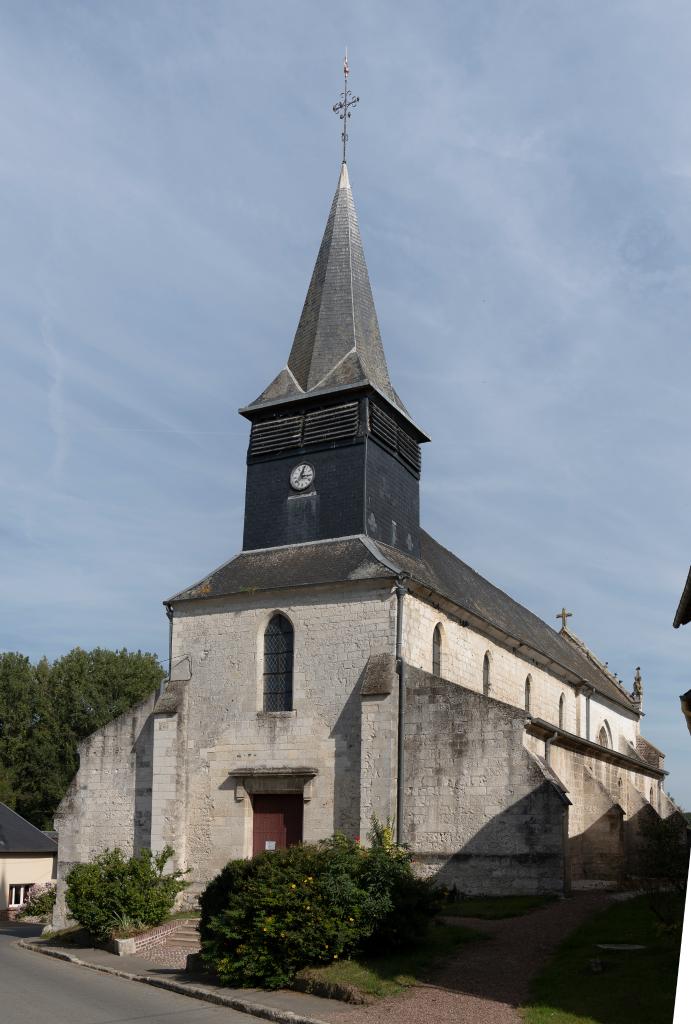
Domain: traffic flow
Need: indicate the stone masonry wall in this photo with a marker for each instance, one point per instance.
(463, 652)
(108, 803)
(480, 811)
(609, 803)
(336, 630)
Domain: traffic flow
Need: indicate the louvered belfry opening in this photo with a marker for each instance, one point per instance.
(320, 426)
(278, 665)
(394, 437)
(334, 423)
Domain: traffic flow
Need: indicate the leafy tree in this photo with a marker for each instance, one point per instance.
(47, 709)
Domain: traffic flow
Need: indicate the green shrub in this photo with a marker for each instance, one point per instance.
(387, 870)
(40, 900)
(263, 920)
(110, 889)
(665, 851)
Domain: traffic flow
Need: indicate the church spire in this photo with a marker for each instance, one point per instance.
(337, 344)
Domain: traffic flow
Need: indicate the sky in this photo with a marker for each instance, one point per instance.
(522, 174)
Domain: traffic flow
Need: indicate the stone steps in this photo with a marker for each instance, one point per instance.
(186, 935)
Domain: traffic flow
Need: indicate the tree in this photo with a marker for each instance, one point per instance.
(47, 709)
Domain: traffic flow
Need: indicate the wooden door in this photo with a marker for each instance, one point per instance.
(277, 821)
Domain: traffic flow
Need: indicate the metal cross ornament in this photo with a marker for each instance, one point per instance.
(342, 108)
(564, 615)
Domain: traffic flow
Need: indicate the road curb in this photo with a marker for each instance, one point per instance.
(194, 991)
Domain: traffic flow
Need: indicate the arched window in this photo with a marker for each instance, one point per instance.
(652, 796)
(561, 711)
(485, 675)
(527, 694)
(278, 665)
(604, 737)
(436, 651)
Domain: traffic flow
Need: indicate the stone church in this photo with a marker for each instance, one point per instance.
(344, 664)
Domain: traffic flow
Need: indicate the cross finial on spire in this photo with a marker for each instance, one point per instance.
(342, 108)
(564, 615)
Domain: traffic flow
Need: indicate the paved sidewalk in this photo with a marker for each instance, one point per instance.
(483, 984)
(283, 1006)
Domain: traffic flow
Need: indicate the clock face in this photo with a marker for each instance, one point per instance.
(301, 476)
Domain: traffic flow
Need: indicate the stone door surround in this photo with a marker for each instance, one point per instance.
(282, 779)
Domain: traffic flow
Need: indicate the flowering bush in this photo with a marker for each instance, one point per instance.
(263, 920)
(39, 901)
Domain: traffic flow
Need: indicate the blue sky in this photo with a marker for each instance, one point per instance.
(522, 172)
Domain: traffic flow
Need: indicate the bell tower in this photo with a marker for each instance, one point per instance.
(333, 451)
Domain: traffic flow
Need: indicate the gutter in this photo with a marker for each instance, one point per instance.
(401, 590)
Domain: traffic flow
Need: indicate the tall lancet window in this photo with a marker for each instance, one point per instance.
(436, 651)
(561, 711)
(485, 676)
(278, 665)
(604, 737)
(527, 694)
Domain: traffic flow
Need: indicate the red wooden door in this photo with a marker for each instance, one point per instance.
(277, 821)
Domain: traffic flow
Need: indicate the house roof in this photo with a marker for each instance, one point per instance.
(337, 343)
(683, 614)
(360, 558)
(17, 835)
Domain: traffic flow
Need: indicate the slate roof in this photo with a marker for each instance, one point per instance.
(337, 343)
(360, 558)
(17, 835)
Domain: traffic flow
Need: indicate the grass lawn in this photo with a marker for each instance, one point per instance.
(388, 975)
(634, 986)
(494, 908)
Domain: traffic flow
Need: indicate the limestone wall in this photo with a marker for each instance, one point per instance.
(480, 812)
(108, 803)
(336, 630)
(463, 653)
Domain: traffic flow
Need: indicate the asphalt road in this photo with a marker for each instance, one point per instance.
(35, 988)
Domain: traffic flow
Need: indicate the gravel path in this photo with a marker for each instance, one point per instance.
(486, 981)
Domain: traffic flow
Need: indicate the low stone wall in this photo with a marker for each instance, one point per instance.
(147, 940)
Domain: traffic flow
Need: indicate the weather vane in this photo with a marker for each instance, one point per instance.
(342, 108)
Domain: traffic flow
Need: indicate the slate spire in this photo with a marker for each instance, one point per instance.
(337, 343)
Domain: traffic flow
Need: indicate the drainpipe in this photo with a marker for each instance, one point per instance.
(588, 694)
(400, 592)
(169, 615)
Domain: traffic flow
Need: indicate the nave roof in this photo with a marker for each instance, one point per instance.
(439, 570)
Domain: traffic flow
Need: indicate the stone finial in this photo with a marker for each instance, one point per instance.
(563, 615)
(638, 688)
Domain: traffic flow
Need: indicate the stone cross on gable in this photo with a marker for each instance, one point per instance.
(564, 615)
